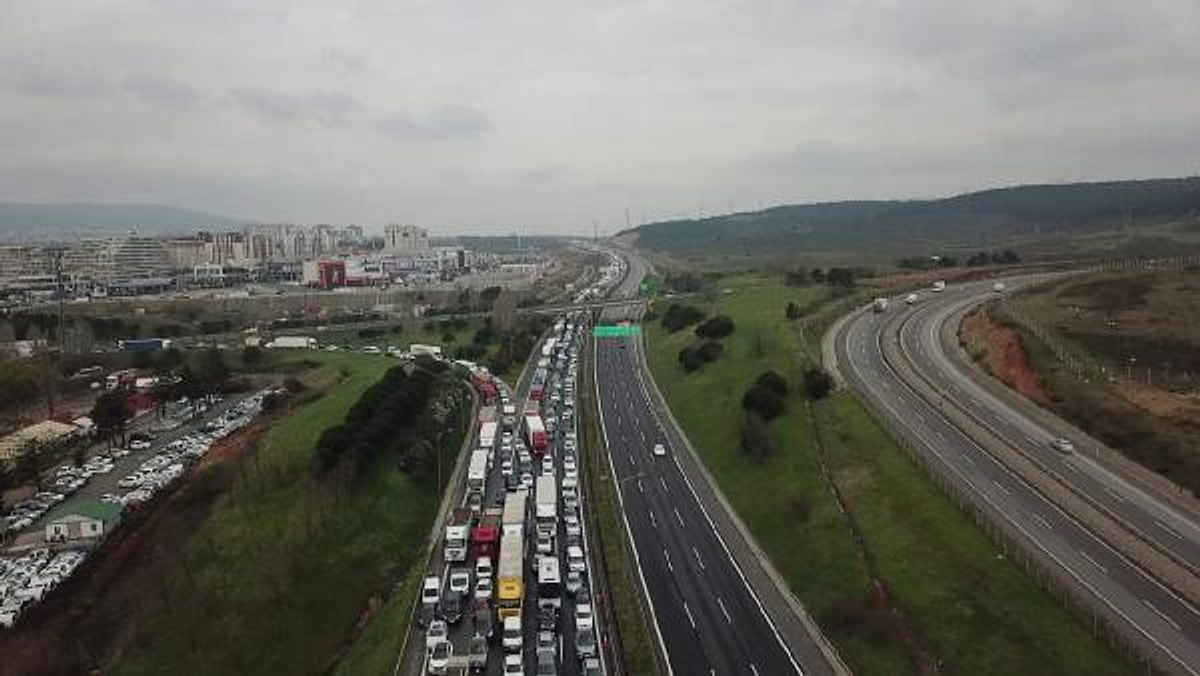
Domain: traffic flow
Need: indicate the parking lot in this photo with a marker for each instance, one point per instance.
(124, 478)
(555, 631)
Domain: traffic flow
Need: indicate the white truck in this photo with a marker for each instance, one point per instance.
(546, 505)
(458, 535)
(416, 349)
(293, 343)
(939, 286)
(879, 304)
(477, 471)
(487, 434)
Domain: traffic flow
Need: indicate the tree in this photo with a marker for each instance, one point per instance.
(169, 360)
(679, 316)
(764, 401)
(840, 277)
(796, 278)
(818, 276)
(756, 437)
(211, 372)
(252, 355)
(817, 383)
(690, 359)
(717, 327)
(110, 413)
(710, 350)
(793, 311)
(772, 381)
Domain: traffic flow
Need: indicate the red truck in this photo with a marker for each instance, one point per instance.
(485, 538)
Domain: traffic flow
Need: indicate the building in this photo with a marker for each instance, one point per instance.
(324, 274)
(85, 521)
(405, 240)
(33, 439)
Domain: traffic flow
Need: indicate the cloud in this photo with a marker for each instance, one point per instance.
(446, 122)
(326, 108)
(159, 90)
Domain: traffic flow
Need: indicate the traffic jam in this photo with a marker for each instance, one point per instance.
(510, 591)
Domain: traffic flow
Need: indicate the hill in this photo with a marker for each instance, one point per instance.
(22, 221)
(1004, 216)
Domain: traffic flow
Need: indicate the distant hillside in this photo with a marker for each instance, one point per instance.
(1023, 213)
(20, 221)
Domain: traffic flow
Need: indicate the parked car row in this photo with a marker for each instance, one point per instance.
(65, 481)
(25, 580)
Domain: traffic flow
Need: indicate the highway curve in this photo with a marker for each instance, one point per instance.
(922, 394)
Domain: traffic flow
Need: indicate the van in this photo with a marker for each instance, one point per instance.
(513, 636)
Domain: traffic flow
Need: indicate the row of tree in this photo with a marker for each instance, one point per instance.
(1005, 257)
(766, 399)
(842, 278)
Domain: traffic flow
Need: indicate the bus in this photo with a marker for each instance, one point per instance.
(510, 577)
(549, 580)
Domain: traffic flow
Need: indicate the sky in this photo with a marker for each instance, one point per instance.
(555, 116)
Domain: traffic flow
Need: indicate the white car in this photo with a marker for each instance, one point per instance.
(460, 581)
(483, 588)
(439, 657)
(1063, 445)
(513, 666)
(431, 590)
(436, 633)
(483, 567)
(571, 522)
(583, 617)
(660, 450)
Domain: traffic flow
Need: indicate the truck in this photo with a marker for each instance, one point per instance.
(417, 349)
(537, 387)
(458, 529)
(293, 343)
(143, 344)
(546, 505)
(122, 379)
(879, 304)
(548, 346)
(487, 434)
(939, 286)
(485, 538)
(998, 287)
(477, 471)
(510, 575)
(509, 417)
(484, 384)
(911, 299)
(535, 434)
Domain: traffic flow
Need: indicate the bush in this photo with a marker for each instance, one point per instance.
(773, 381)
(710, 350)
(717, 327)
(796, 278)
(293, 385)
(679, 316)
(793, 311)
(756, 438)
(817, 383)
(690, 359)
(764, 401)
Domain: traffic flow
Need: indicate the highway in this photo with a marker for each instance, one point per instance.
(707, 618)
(1157, 621)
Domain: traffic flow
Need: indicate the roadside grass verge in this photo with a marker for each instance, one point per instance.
(276, 579)
(905, 582)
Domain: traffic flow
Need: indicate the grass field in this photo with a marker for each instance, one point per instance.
(907, 583)
(276, 579)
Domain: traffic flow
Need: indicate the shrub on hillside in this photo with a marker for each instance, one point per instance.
(817, 383)
(690, 359)
(717, 327)
(710, 350)
(679, 316)
(773, 381)
(764, 401)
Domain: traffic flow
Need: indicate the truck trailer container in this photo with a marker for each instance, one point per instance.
(546, 505)
(458, 530)
(535, 434)
(293, 343)
(485, 538)
(477, 471)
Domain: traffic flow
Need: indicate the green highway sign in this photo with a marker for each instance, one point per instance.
(616, 331)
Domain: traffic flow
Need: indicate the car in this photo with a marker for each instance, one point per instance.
(514, 666)
(513, 637)
(583, 617)
(1063, 445)
(483, 620)
(527, 479)
(483, 588)
(575, 559)
(477, 654)
(548, 618)
(512, 483)
(483, 567)
(585, 644)
(660, 450)
(591, 666)
(545, 543)
(426, 615)
(451, 607)
(569, 498)
(546, 639)
(572, 526)
(436, 633)
(574, 581)
(460, 581)
(439, 657)
(547, 662)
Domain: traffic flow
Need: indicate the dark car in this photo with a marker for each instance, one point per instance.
(512, 482)
(477, 654)
(425, 615)
(548, 619)
(451, 607)
(484, 624)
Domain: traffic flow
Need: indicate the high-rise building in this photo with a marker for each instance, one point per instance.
(405, 239)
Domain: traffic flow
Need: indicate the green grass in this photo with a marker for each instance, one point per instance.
(958, 602)
(377, 648)
(275, 580)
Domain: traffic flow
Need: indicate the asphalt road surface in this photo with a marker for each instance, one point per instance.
(707, 618)
(1165, 627)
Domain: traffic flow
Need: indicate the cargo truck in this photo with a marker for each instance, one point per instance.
(458, 529)
(477, 471)
(510, 576)
(546, 505)
(293, 343)
(485, 538)
(879, 305)
(535, 434)
(144, 344)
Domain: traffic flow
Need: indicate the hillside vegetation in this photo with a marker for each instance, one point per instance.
(1024, 214)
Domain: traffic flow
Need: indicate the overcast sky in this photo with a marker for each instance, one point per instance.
(547, 116)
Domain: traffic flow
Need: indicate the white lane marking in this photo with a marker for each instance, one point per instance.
(678, 517)
(632, 459)
(1031, 440)
(653, 521)
(1167, 528)
(721, 605)
(999, 485)
(639, 485)
(1113, 494)
(663, 481)
(968, 458)
(1042, 520)
(1094, 562)
(667, 556)
(689, 614)
(1163, 615)
(753, 669)
(699, 561)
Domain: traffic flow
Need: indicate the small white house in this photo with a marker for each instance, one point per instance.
(88, 521)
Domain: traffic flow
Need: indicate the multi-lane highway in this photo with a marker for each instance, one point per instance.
(1164, 626)
(708, 619)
